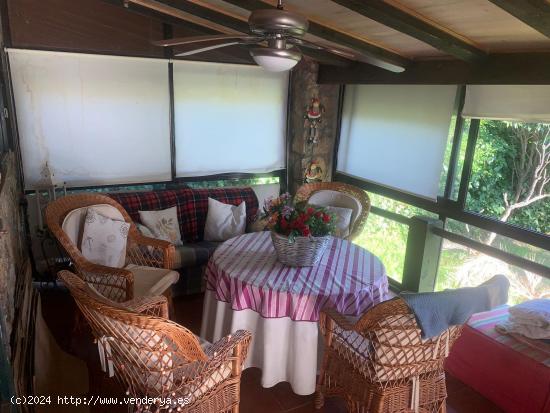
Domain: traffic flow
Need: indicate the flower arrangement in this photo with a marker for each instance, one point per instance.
(292, 220)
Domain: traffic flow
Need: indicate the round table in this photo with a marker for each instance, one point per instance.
(248, 288)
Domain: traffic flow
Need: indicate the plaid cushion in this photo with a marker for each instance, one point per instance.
(192, 205)
(198, 253)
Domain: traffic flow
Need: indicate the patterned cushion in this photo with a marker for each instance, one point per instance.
(192, 205)
(104, 239)
(163, 224)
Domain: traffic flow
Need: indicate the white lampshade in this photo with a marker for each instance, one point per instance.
(275, 60)
(275, 63)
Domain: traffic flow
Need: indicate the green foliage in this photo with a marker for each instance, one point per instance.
(387, 239)
(496, 152)
(234, 182)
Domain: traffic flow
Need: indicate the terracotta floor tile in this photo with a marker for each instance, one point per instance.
(288, 399)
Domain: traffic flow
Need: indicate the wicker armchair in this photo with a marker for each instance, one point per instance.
(380, 364)
(148, 260)
(341, 195)
(157, 358)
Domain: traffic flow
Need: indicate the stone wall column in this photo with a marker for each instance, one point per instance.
(313, 126)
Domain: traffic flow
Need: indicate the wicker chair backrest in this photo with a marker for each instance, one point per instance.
(152, 354)
(58, 210)
(396, 348)
(339, 195)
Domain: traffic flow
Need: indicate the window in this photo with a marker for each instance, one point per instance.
(387, 239)
(459, 160)
(94, 120)
(396, 135)
(460, 266)
(228, 118)
(510, 177)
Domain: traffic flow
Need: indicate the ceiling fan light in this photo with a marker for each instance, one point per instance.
(275, 60)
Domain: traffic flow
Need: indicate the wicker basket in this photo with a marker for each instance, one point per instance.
(303, 252)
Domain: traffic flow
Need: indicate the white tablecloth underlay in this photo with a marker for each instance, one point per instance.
(283, 349)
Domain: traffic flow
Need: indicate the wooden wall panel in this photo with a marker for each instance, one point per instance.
(82, 25)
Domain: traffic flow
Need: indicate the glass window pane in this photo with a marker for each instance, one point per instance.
(510, 245)
(387, 240)
(398, 207)
(459, 160)
(510, 173)
(460, 266)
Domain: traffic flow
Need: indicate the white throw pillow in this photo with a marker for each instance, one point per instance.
(224, 221)
(163, 224)
(143, 230)
(343, 220)
(104, 239)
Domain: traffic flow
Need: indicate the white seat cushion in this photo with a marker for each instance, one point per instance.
(149, 281)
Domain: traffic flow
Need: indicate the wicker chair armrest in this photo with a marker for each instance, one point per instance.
(232, 347)
(150, 252)
(116, 284)
(155, 306)
(330, 315)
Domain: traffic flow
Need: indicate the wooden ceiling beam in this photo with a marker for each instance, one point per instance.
(241, 26)
(535, 13)
(332, 35)
(235, 56)
(497, 69)
(421, 29)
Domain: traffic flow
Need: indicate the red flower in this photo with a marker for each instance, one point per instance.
(310, 211)
(284, 223)
(306, 232)
(326, 218)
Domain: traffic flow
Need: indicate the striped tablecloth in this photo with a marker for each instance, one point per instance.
(244, 271)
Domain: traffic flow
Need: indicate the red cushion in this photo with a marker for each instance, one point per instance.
(499, 368)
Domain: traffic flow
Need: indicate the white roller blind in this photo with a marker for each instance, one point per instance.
(228, 118)
(94, 119)
(396, 135)
(508, 102)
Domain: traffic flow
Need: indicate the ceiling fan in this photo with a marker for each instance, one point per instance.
(276, 35)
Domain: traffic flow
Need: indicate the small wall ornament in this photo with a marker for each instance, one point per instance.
(313, 119)
(315, 171)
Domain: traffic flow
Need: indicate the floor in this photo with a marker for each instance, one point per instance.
(59, 313)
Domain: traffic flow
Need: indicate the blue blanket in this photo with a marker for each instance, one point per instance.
(437, 311)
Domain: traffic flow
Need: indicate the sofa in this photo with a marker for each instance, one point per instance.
(192, 205)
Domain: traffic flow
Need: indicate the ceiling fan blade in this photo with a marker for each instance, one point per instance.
(201, 49)
(209, 38)
(349, 54)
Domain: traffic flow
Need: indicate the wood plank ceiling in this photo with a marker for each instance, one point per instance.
(486, 25)
(411, 33)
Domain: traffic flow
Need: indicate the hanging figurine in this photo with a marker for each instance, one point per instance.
(313, 120)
